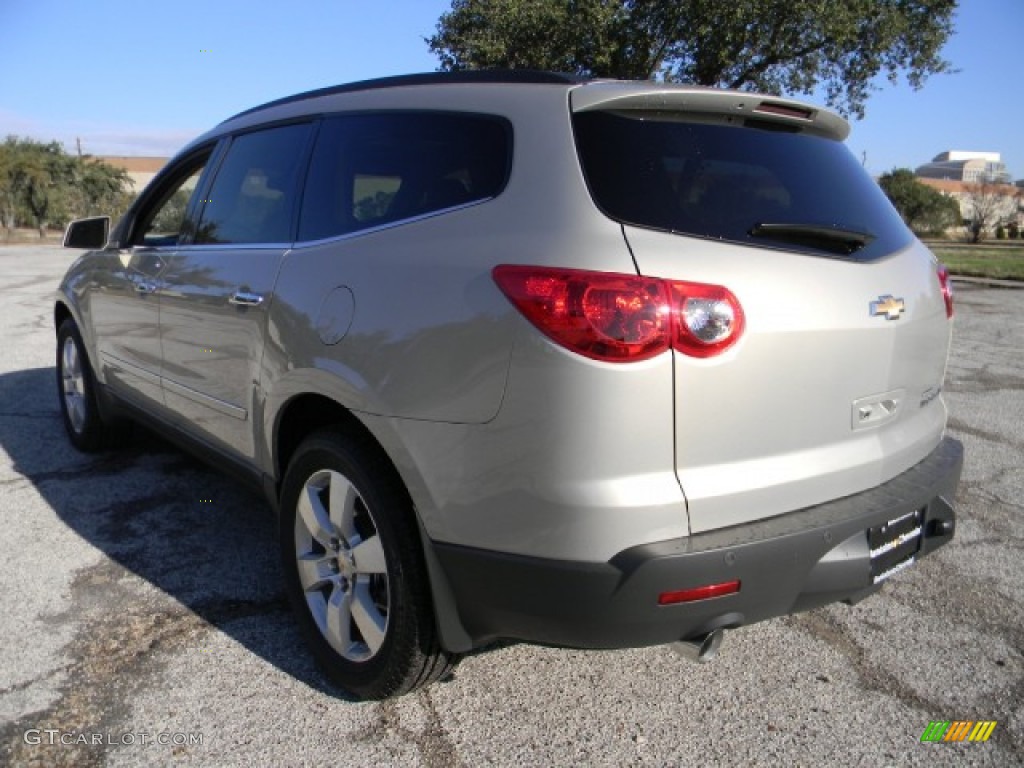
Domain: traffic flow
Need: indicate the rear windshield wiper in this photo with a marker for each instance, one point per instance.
(821, 236)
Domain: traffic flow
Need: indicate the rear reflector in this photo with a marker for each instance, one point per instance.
(947, 288)
(699, 593)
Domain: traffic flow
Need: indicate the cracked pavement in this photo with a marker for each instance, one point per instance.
(132, 605)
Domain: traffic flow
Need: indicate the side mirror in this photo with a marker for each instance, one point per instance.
(87, 233)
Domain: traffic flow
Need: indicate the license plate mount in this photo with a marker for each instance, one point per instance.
(894, 544)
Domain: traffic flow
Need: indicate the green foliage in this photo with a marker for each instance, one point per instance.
(1005, 262)
(169, 218)
(43, 186)
(773, 46)
(1013, 231)
(1000, 232)
(925, 210)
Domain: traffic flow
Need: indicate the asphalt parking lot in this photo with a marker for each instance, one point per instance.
(141, 608)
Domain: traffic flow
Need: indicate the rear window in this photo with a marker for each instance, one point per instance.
(756, 185)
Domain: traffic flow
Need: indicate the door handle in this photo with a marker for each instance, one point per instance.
(246, 299)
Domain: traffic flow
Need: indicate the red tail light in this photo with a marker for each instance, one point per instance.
(947, 288)
(622, 318)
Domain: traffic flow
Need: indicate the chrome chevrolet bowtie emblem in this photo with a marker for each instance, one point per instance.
(887, 305)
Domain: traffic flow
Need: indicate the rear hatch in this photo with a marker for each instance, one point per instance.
(833, 385)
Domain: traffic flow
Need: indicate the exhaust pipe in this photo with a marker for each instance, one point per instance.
(702, 648)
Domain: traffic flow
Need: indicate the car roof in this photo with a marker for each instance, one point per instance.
(636, 96)
(475, 76)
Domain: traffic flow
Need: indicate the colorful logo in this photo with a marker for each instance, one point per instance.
(958, 730)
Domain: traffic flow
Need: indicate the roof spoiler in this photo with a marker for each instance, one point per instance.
(709, 103)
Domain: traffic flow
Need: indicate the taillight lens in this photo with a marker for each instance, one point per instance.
(601, 315)
(709, 319)
(621, 318)
(947, 288)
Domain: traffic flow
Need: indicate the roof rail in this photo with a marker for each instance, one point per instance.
(431, 78)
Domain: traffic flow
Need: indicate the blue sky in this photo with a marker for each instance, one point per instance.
(137, 77)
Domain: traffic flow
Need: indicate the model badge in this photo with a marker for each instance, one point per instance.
(887, 305)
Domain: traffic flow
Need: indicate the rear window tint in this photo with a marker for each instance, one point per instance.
(368, 170)
(770, 188)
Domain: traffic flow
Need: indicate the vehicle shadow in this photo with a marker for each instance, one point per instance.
(198, 536)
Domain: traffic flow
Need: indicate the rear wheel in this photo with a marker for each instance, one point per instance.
(354, 569)
(76, 384)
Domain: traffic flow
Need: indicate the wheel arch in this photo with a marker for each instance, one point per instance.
(61, 312)
(306, 413)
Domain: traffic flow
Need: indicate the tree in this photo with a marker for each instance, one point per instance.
(773, 46)
(169, 218)
(41, 184)
(987, 205)
(925, 210)
(14, 181)
(103, 189)
(46, 187)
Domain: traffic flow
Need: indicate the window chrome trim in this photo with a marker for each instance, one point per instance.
(208, 247)
(392, 224)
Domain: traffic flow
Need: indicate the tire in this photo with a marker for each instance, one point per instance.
(76, 387)
(354, 569)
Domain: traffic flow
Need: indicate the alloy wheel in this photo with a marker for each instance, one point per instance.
(341, 566)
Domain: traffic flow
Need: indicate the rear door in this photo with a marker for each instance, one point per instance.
(217, 290)
(833, 386)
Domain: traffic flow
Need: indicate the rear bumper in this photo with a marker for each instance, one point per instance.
(789, 563)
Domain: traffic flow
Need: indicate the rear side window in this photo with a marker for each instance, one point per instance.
(744, 184)
(368, 170)
(253, 196)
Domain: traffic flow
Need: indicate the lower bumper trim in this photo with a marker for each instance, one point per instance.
(789, 563)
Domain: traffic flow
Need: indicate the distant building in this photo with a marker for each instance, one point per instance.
(140, 169)
(1008, 206)
(970, 167)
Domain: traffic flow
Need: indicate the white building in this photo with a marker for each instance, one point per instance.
(967, 166)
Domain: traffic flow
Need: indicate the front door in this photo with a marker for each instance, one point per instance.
(126, 310)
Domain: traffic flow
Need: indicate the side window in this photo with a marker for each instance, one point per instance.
(162, 221)
(374, 169)
(252, 199)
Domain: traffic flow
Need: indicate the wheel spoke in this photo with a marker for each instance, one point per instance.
(369, 556)
(343, 497)
(372, 625)
(314, 571)
(339, 621)
(314, 516)
(70, 359)
(77, 408)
